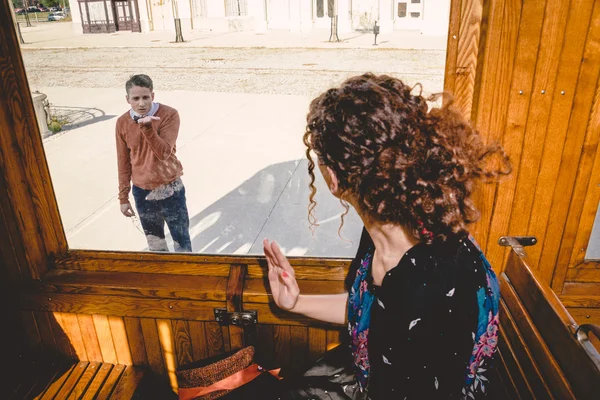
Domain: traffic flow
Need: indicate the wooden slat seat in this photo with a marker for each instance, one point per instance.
(540, 357)
(46, 379)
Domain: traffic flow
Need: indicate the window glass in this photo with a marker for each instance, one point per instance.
(231, 95)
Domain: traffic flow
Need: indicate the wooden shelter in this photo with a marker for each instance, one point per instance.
(107, 16)
(525, 72)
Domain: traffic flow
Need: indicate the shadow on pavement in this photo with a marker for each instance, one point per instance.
(77, 117)
(273, 204)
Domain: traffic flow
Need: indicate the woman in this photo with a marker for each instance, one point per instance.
(422, 301)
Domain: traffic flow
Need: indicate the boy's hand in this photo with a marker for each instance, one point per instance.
(147, 120)
(127, 210)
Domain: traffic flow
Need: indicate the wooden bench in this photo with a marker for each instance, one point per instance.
(47, 378)
(539, 352)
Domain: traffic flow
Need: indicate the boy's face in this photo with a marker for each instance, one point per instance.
(140, 99)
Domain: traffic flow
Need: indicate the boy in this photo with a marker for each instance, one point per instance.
(146, 136)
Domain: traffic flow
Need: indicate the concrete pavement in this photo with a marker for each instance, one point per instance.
(245, 176)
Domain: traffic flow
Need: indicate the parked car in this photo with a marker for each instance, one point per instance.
(56, 16)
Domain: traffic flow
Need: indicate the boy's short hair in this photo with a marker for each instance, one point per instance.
(141, 80)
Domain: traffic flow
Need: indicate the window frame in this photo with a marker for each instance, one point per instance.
(30, 194)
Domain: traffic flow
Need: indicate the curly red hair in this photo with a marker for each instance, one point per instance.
(401, 162)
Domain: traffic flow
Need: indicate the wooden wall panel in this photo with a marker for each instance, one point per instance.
(536, 92)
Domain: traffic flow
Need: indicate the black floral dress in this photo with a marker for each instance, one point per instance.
(430, 330)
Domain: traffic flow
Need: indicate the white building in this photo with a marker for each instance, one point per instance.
(97, 16)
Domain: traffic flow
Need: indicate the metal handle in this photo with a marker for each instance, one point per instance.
(517, 243)
(521, 240)
(581, 334)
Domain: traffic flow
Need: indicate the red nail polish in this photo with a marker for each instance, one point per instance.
(285, 274)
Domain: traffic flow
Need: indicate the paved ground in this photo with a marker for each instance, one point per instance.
(243, 112)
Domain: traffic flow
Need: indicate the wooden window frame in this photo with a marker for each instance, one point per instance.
(28, 193)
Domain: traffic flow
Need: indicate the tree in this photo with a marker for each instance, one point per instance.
(50, 3)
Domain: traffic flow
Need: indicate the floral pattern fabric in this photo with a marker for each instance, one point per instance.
(430, 329)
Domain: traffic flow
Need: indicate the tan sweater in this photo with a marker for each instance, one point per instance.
(146, 154)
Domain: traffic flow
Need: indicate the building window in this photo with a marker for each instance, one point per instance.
(236, 8)
(415, 1)
(402, 10)
(415, 14)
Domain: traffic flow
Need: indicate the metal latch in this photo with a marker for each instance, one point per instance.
(243, 318)
(521, 240)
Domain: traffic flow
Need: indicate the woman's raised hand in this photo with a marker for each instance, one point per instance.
(281, 277)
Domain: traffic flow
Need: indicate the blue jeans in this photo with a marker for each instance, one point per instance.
(153, 215)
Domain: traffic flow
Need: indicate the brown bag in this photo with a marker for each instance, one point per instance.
(217, 376)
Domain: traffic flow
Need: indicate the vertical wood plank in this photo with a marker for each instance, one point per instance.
(46, 334)
(120, 340)
(11, 246)
(167, 344)
(317, 343)
(105, 339)
(71, 327)
(226, 336)
(62, 339)
(214, 337)
(265, 346)
(235, 288)
(183, 342)
(282, 339)
(198, 340)
(468, 47)
(153, 346)
(452, 47)
(528, 43)
(90, 338)
(333, 338)
(30, 335)
(299, 347)
(135, 337)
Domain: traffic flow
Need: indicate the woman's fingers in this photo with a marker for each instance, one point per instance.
(269, 254)
(281, 259)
